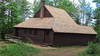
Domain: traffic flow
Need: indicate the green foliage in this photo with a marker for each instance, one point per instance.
(97, 13)
(11, 12)
(97, 28)
(92, 48)
(36, 6)
(18, 20)
(18, 50)
(97, 23)
(49, 2)
(97, 1)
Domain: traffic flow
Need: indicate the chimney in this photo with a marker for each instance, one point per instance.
(42, 3)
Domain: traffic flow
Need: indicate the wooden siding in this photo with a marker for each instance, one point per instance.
(36, 36)
(48, 37)
(73, 39)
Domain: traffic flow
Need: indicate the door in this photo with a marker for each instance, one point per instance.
(47, 39)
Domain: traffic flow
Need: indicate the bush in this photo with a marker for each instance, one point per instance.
(98, 38)
(18, 50)
(92, 48)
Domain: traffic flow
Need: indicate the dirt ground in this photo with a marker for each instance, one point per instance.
(60, 51)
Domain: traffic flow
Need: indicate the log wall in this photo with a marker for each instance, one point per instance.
(73, 39)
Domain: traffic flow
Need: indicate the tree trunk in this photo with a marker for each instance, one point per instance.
(84, 19)
(87, 21)
(55, 2)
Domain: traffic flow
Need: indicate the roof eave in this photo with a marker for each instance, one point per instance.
(77, 33)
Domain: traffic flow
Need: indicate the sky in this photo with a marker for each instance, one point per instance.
(93, 5)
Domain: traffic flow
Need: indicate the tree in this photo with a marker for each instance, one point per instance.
(98, 1)
(36, 6)
(10, 14)
(82, 10)
(89, 13)
(85, 12)
(97, 17)
(49, 2)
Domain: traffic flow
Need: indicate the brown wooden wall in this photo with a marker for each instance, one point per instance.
(43, 36)
(73, 39)
(36, 36)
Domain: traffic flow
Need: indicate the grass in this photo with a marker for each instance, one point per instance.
(18, 50)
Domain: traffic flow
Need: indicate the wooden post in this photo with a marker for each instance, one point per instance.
(42, 8)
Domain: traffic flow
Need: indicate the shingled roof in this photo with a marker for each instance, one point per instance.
(60, 22)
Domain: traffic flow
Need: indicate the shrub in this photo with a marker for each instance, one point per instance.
(18, 50)
(92, 48)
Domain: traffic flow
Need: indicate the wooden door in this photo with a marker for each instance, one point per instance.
(47, 38)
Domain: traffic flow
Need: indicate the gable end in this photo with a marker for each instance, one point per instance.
(46, 13)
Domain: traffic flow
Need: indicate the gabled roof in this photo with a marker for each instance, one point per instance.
(60, 22)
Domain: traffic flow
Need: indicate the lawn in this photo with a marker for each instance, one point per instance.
(12, 49)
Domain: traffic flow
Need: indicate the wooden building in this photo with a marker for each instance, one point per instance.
(53, 26)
